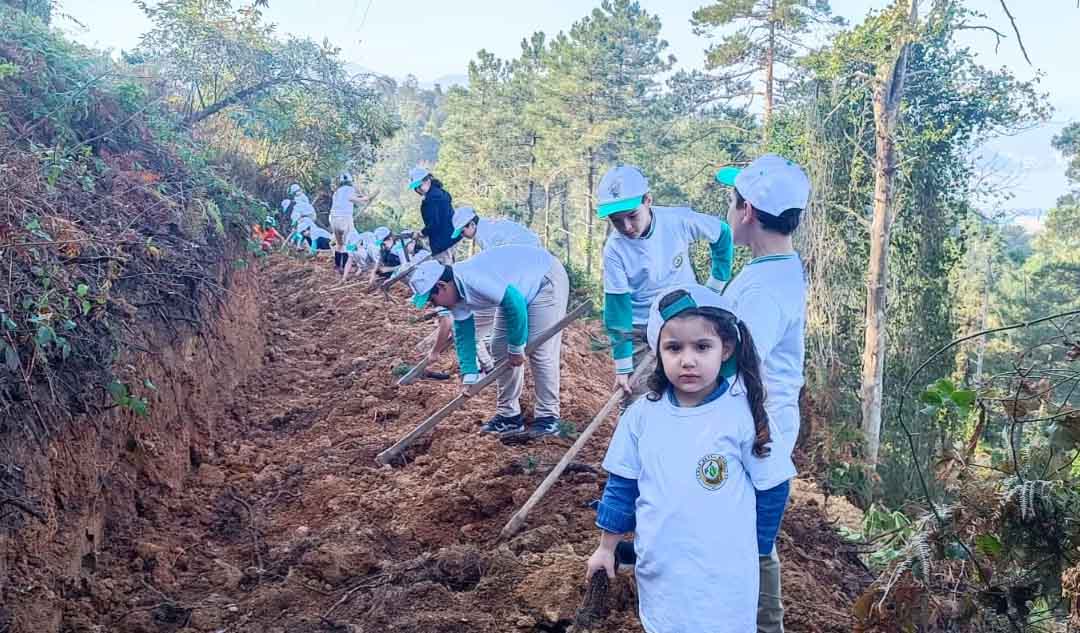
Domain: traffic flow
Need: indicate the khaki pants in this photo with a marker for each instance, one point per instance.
(641, 354)
(545, 310)
(770, 613)
(485, 324)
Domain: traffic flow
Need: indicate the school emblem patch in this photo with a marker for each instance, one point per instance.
(614, 189)
(677, 262)
(712, 471)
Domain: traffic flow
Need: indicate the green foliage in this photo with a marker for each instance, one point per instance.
(889, 531)
(122, 397)
(286, 105)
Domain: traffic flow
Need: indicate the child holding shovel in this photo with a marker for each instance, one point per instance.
(488, 234)
(529, 289)
(684, 465)
(649, 250)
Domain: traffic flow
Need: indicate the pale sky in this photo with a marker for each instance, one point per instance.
(435, 38)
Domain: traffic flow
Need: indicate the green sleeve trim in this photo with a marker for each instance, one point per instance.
(465, 344)
(516, 313)
(619, 323)
(723, 254)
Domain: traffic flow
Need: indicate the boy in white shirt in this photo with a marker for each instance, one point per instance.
(529, 289)
(488, 234)
(769, 293)
(648, 251)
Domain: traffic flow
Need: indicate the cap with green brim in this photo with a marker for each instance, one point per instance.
(417, 176)
(771, 183)
(423, 280)
(621, 189)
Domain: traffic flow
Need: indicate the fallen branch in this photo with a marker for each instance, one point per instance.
(514, 524)
(399, 447)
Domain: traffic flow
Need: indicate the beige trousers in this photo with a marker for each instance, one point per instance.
(545, 310)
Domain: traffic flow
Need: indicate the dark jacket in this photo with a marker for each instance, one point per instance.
(437, 210)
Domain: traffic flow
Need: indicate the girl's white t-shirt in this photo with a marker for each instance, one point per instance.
(696, 538)
(493, 233)
(342, 206)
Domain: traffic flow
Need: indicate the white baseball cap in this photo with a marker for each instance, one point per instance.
(423, 279)
(697, 296)
(344, 178)
(294, 189)
(621, 189)
(771, 183)
(417, 176)
(381, 234)
(462, 216)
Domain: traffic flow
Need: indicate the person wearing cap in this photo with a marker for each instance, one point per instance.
(649, 250)
(487, 234)
(314, 236)
(361, 251)
(341, 217)
(685, 466)
(529, 289)
(437, 211)
(768, 198)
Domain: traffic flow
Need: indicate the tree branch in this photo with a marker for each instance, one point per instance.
(1016, 30)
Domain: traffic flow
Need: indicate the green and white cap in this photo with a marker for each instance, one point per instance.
(294, 189)
(462, 216)
(697, 296)
(422, 280)
(621, 189)
(417, 176)
(381, 234)
(344, 178)
(771, 183)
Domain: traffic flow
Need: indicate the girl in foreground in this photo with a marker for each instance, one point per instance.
(684, 465)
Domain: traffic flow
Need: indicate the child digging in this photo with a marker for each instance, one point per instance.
(683, 467)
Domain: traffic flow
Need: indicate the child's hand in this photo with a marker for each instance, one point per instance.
(622, 381)
(601, 559)
(516, 360)
(433, 355)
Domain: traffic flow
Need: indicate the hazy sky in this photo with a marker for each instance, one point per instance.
(435, 38)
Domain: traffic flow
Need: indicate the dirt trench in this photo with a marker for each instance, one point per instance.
(280, 520)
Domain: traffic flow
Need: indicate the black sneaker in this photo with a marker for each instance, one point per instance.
(500, 425)
(548, 425)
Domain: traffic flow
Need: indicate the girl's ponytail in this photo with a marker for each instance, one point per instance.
(749, 365)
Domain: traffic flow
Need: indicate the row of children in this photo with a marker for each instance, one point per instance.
(699, 470)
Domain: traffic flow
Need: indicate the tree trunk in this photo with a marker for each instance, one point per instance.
(770, 58)
(239, 97)
(566, 225)
(984, 313)
(888, 94)
(590, 179)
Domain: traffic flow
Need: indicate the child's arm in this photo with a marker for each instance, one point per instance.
(619, 323)
(465, 344)
(721, 246)
(614, 517)
(770, 511)
(604, 556)
(444, 333)
(516, 314)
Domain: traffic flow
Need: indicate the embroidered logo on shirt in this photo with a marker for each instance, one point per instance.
(677, 262)
(712, 471)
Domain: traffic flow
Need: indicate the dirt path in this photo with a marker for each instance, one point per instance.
(289, 526)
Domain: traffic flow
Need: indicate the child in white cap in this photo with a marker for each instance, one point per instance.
(769, 293)
(649, 250)
(437, 211)
(341, 217)
(487, 234)
(360, 251)
(529, 289)
(685, 465)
